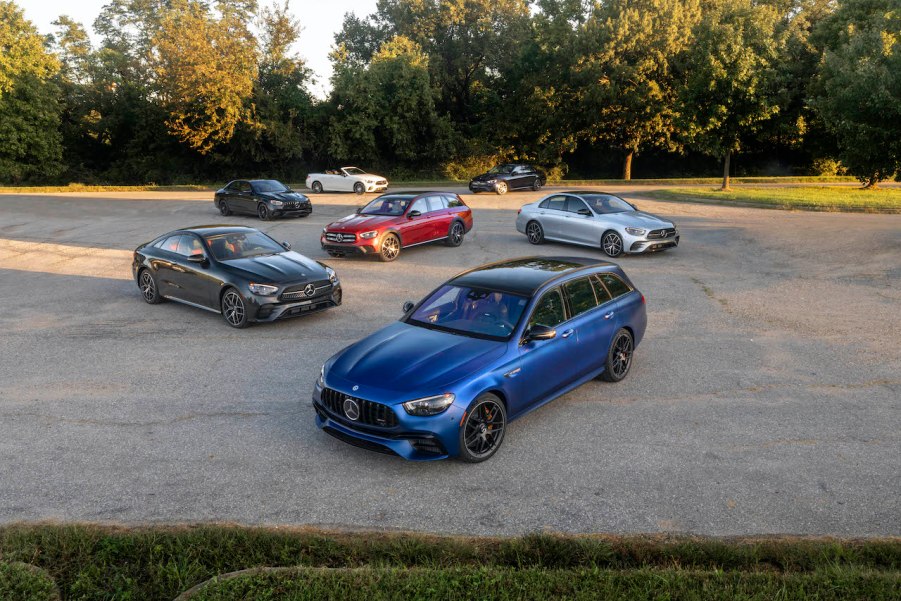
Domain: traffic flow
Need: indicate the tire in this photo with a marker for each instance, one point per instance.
(483, 428)
(536, 185)
(390, 248)
(534, 232)
(263, 212)
(612, 243)
(359, 188)
(500, 188)
(150, 292)
(316, 187)
(224, 210)
(619, 357)
(455, 234)
(233, 309)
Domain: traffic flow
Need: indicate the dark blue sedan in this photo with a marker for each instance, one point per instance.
(485, 348)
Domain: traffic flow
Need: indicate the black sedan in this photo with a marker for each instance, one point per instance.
(508, 177)
(239, 272)
(265, 198)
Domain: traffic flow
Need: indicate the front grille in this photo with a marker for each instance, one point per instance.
(371, 413)
(298, 292)
(296, 205)
(381, 182)
(339, 237)
(664, 233)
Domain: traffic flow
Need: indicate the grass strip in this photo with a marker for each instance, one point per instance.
(505, 584)
(815, 198)
(23, 582)
(92, 562)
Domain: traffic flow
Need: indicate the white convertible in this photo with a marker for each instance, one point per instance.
(346, 179)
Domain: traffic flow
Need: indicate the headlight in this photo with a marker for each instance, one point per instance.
(431, 405)
(276, 203)
(332, 276)
(263, 289)
(324, 229)
(636, 231)
(490, 181)
(368, 235)
(321, 381)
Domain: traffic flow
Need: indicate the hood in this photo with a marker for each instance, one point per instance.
(370, 178)
(637, 219)
(283, 268)
(291, 196)
(361, 223)
(488, 176)
(412, 360)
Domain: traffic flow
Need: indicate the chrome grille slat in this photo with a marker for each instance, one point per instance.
(371, 413)
(340, 237)
(661, 233)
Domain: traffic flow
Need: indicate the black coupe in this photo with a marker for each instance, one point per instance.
(265, 198)
(239, 272)
(508, 177)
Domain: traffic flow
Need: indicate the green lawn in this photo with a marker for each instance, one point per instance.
(87, 562)
(817, 198)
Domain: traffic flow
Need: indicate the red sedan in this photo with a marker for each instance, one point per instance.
(399, 220)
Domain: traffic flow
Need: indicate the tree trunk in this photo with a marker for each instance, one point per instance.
(726, 170)
(872, 183)
(627, 165)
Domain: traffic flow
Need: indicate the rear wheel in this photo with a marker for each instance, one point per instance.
(483, 429)
(359, 188)
(224, 210)
(390, 248)
(234, 311)
(316, 187)
(535, 232)
(500, 188)
(149, 290)
(455, 234)
(263, 212)
(619, 357)
(536, 185)
(612, 243)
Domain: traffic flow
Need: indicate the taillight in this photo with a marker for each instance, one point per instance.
(642, 299)
(518, 211)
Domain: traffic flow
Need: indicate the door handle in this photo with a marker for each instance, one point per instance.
(177, 267)
(608, 315)
(567, 334)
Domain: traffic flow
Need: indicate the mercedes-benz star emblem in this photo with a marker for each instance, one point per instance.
(351, 409)
(356, 387)
(309, 290)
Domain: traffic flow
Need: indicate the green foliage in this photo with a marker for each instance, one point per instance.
(23, 582)
(858, 93)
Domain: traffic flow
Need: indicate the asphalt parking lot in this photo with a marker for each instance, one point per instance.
(764, 398)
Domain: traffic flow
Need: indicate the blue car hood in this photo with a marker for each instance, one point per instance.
(412, 360)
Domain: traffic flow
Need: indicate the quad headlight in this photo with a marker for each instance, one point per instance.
(320, 383)
(368, 235)
(636, 231)
(276, 203)
(430, 405)
(262, 289)
(332, 276)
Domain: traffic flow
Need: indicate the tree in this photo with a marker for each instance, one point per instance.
(29, 111)
(630, 94)
(858, 91)
(205, 69)
(726, 73)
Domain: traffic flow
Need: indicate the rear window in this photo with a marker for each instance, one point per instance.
(453, 202)
(581, 296)
(616, 286)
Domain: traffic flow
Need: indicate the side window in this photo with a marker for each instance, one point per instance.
(421, 206)
(573, 204)
(171, 243)
(600, 291)
(189, 245)
(452, 202)
(549, 310)
(616, 286)
(581, 296)
(244, 187)
(233, 187)
(519, 169)
(556, 202)
(435, 203)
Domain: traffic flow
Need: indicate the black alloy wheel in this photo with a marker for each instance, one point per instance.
(224, 209)
(612, 243)
(234, 311)
(455, 234)
(263, 212)
(483, 429)
(619, 357)
(536, 185)
(359, 188)
(149, 290)
(390, 248)
(316, 187)
(535, 232)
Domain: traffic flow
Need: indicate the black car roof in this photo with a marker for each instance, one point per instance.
(207, 230)
(525, 275)
(585, 192)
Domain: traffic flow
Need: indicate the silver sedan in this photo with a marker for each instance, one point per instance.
(596, 219)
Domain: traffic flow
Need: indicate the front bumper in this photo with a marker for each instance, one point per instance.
(302, 211)
(359, 247)
(482, 187)
(271, 309)
(643, 245)
(376, 187)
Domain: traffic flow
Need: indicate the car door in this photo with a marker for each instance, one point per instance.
(193, 281)
(592, 330)
(164, 264)
(580, 227)
(416, 229)
(439, 217)
(552, 213)
(545, 365)
(244, 202)
(344, 182)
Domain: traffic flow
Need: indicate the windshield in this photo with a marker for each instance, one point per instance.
(501, 169)
(607, 203)
(354, 171)
(269, 185)
(387, 205)
(241, 245)
(471, 312)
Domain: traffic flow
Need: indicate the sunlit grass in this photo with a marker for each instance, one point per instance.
(820, 198)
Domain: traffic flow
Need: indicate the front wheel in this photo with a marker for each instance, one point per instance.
(534, 232)
(359, 188)
(316, 187)
(234, 311)
(390, 248)
(455, 234)
(619, 357)
(263, 212)
(483, 429)
(224, 210)
(149, 290)
(536, 185)
(500, 188)
(612, 243)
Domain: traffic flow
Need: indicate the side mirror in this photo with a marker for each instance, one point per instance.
(539, 332)
(413, 214)
(585, 212)
(408, 306)
(287, 245)
(197, 258)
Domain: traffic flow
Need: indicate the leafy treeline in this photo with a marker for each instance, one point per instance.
(182, 90)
